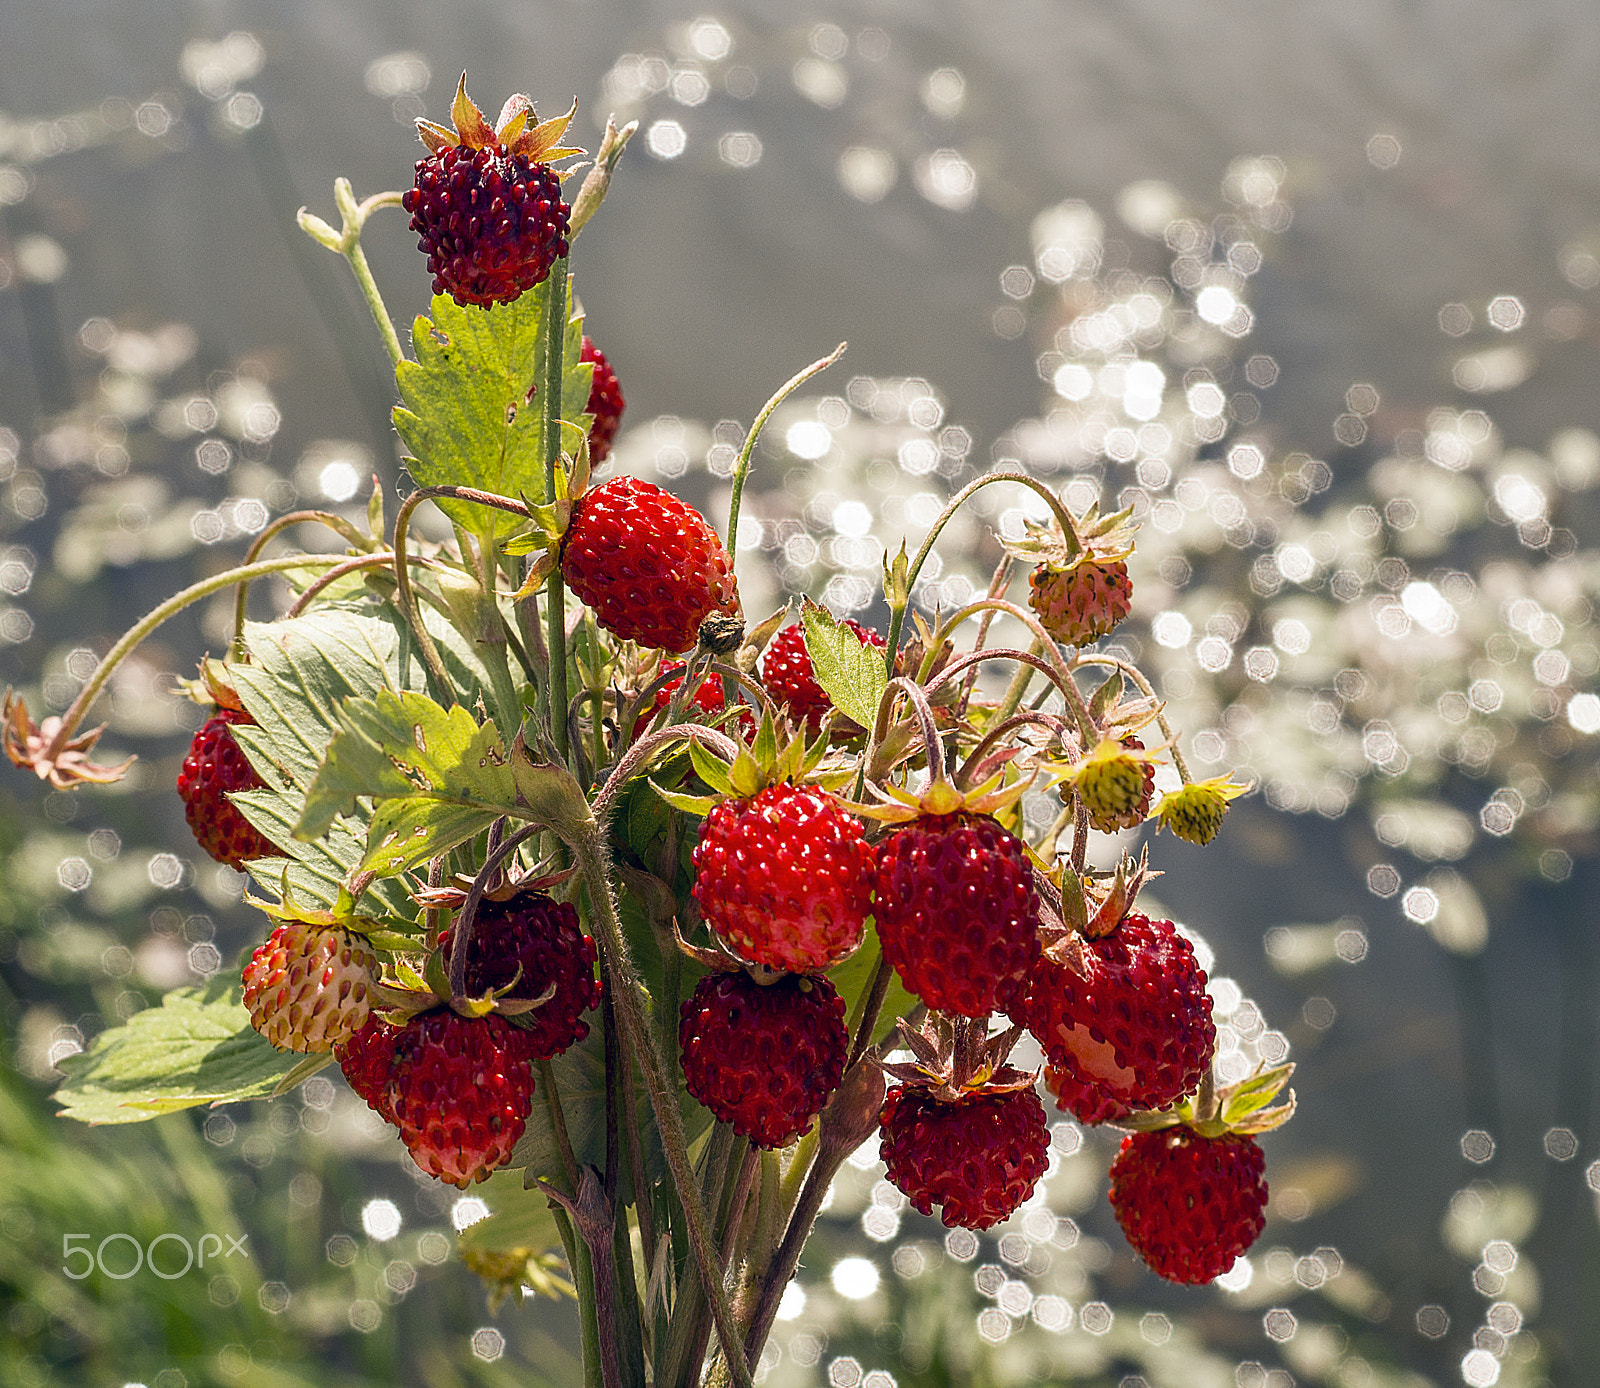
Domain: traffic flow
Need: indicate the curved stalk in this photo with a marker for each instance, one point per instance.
(1134, 673)
(467, 916)
(1062, 515)
(554, 328)
(741, 468)
(170, 608)
(361, 561)
(328, 518)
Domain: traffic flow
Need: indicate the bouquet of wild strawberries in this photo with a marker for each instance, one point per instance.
(578, 876)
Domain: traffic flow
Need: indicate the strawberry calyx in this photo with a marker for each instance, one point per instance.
(1244, 1107)
(518, 131)
(954, 1057)
(1092, 904)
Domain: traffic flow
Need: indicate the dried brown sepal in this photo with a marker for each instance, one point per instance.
(64, 762)
(952, 1056)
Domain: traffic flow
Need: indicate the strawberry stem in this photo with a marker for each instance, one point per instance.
(170, 608)
(554, 327)
(1137, 676)
(1069, 531)
(327, 518)
(628, 989)
(741, 468)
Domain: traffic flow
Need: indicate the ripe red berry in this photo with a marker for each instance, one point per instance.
(605, 404)
(1138, 1029)
(490, 221)
(215, 767)
(540, 936)
(787, 672)
(763, 1058)
(648, 564)
(1081, 603)
(785, 877)
(956, 911)
(307, 987)
(1189, 1204)
(978, 1156)
(366, 1059)
(461, 1089)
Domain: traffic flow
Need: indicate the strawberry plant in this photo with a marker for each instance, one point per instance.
(591, 899)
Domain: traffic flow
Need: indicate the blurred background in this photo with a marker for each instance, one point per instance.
(1314, 287)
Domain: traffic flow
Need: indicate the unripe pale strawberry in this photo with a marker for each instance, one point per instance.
(1082, 602)
(307, 988)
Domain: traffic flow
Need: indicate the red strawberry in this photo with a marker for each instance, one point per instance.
(307, 986)
(787, 672)
(1189, 1204)
(1138, 1029)
(1084, 1100)
(215, 767)
(764, 1058)
(486, 207)
(366, 1059)
(978, 1156)
(956, 911)
(785, 877)
(461, 1090)
(605, 404)
(540, 936)
(1083, 601)
(648, 564)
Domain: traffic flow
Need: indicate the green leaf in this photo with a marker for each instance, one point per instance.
(851, 672)
(300, 672)
(198, 1047)
(438, 778)
(470, 415)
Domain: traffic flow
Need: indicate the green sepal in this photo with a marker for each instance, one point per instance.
(699, 805)
(1105, 697)
(311, 1065)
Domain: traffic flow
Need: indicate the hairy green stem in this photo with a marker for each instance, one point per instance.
(1062, 515)
(170, 608)
(555, 324)
(282, 523)
(741, 468)
(630, 994)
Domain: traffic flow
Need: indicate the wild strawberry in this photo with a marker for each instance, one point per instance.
(1189, 1204)
(787, 673)
(216, 767)
(487, 209)
(1115, 784)
(605, 404)
(461, 1090)
(764, 1058)
(533, 933)
(785, 877)
(1138, 1028)
(307, 986)
(1085, 1101)
(1083, 602)
(956, 911)
(648, 564)
(1079, 585)
(366, 1058)
(978, 1155)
